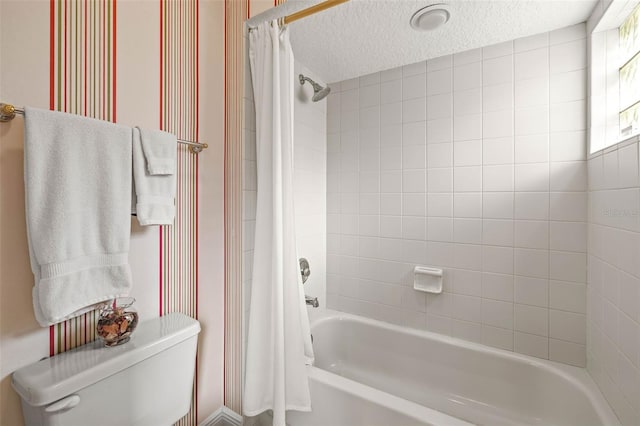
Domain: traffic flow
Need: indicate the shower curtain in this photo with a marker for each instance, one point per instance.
(278, 335)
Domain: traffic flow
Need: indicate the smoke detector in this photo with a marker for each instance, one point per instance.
(430, 17)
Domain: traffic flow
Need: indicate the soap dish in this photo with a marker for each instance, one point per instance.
(427, 279)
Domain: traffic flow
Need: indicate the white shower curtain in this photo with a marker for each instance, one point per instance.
(279, 339)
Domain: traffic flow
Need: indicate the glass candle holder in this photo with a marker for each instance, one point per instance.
(117, 321)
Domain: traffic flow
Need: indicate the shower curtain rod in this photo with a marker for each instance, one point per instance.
(312, 10)
(8, 112)
(327, 4)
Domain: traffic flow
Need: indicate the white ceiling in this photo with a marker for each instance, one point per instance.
(366, 36)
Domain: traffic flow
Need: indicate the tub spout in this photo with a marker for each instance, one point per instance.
(313, 301)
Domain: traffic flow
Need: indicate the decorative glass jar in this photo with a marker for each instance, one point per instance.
(117, 321)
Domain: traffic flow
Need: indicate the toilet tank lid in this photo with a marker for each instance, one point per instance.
(54, 378)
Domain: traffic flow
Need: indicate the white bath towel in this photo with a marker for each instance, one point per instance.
(154, 186)
(77, 174)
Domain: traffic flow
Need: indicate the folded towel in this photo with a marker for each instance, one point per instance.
(159, 150)
(77, 175)
(154, 201)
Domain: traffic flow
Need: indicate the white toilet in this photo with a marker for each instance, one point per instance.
(147, 381)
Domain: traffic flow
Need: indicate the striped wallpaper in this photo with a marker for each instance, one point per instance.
(179, 81)
(236, 11)
(179, 115)
(83, 42)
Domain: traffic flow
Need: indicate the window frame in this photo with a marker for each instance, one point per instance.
(604, 73)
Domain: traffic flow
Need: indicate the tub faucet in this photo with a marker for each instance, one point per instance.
(312, 301)
(305, 272)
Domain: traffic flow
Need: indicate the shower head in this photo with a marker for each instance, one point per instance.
(319, 92)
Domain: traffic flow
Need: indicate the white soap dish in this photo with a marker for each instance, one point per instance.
(427, 279)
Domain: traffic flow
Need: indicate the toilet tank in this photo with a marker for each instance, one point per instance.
(147, 381)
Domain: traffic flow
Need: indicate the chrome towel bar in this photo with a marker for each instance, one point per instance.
(8, 113)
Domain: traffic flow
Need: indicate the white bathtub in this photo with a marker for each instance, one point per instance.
(371, 373)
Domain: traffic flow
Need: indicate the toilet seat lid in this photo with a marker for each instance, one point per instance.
(54, 378)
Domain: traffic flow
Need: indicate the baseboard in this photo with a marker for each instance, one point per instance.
(223, 416)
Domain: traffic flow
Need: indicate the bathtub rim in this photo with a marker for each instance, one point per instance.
(577, 376)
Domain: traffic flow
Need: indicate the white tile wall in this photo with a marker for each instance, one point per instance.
(311, 147)
(613, 308)
(480, 169)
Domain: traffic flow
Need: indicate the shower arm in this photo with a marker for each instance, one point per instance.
(302, 79)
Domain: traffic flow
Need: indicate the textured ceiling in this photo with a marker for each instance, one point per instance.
(365, 36)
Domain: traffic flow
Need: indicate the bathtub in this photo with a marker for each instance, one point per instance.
(370, 373)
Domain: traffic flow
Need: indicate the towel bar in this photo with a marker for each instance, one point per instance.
(8, 113)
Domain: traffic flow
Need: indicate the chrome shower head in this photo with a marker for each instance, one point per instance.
(319, 92)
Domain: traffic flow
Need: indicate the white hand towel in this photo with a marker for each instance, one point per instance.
(160, 151)
(77, 188)
(154, 201)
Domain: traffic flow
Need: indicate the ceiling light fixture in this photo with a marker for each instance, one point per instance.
(430, 17)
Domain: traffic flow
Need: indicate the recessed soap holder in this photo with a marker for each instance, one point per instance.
(427, 279)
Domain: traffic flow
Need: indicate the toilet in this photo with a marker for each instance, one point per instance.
(145, 382)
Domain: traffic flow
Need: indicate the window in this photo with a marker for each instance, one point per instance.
(614, 73)
(629, 115)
